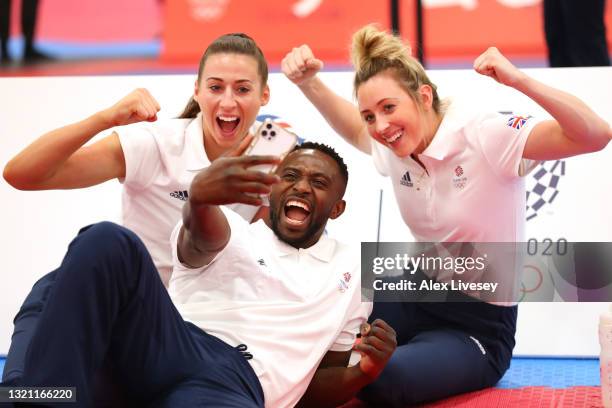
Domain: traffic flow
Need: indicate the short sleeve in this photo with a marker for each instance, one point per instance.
(380, 156)
(502, 139)
(142, 156)
(359, 315)
(238, 227)
(174, 244)
(179, 268)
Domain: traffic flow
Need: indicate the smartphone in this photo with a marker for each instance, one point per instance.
(271, 139)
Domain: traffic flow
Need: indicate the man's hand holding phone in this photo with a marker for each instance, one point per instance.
(270, 139)
(234, 178)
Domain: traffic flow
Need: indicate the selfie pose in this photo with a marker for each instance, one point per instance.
(254, 316)
(466, 185)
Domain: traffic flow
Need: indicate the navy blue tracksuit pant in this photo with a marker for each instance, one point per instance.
(443, 349)
(106, 305)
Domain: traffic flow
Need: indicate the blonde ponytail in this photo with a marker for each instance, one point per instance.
(374, 51)
(369, 43)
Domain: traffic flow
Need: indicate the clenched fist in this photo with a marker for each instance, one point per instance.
(138, 106)
(378, 342)
(300, 65)
(492, 63)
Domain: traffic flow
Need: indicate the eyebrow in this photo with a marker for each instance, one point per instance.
(285, 168)
(222, 80)
(318, 174)
(383, 100)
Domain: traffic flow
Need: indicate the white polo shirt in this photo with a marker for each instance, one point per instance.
(472, 190)
(161, 159)
(289, 306)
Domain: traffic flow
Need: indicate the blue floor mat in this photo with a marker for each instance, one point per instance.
(524, 372)
(63, 50)
(551, 372)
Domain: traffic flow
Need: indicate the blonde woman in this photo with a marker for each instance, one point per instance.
(446, 348)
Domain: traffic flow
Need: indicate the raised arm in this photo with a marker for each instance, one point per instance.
(301, 67)
(58, 159)
(227, 180)
(576, 129)
(334, 383)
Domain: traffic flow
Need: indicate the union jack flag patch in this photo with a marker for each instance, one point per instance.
(517, 122)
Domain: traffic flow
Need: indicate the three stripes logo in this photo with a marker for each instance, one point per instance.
(181, 195)
(406, 181)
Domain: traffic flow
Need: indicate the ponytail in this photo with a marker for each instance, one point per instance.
(191, 110)
(375, 51)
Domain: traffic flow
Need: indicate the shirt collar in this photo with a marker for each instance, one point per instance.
(441, 145)
(194, 136)
(323, 250)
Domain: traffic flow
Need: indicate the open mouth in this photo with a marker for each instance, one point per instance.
(296, 212)
(394, 137)
(228, 124)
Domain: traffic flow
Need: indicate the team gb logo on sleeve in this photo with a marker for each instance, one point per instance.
(543, 185)
(517, 121)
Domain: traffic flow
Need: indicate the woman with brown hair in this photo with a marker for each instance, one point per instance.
(155, 162)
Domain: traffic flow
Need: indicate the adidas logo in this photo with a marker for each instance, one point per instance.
(405, 181)
(181, 195)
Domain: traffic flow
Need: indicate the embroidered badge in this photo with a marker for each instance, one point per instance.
(342, 285)
(459, 179)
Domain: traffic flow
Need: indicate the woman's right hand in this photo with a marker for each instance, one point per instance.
(300, 65)
(137, 106)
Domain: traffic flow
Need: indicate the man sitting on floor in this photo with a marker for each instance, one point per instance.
(278, 294)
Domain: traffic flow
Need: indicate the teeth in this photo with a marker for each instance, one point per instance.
(227, 118)
(393, 137)
(294, 222)
(296, 203)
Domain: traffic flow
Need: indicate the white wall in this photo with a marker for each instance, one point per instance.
(37, 226)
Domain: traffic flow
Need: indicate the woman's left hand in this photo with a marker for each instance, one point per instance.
(492, 63)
